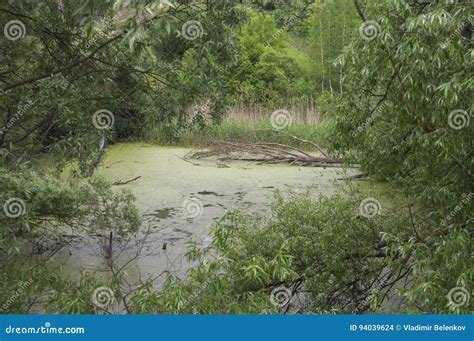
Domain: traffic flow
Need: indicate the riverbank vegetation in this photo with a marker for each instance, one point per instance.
(384, 85)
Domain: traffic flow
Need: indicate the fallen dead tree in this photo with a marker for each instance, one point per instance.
(121, 182)
(267, 152)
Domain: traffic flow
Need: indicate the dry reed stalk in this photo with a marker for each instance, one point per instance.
(302, 110)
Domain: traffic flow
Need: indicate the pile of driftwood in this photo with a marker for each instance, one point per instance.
(268, 152)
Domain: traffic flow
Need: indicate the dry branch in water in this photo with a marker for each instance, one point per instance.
(268, 152)
(121, 183)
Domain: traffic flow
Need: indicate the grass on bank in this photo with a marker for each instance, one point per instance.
(250, 121)
(244, 131)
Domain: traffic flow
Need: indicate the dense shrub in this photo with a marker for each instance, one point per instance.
(341, 260)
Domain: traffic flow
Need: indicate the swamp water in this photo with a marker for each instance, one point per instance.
(180, 200)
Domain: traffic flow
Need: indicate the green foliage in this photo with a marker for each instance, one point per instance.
(268, 68)
(71, 61)
(330, 27)
(145, 73)
(288, 14)
(72, 203)
(72, 296)
(397, 121)
(258, 34)
(325, 242)
(403, 112)
(249, 131)
(234, 282)
(42, 287)
(42, 213)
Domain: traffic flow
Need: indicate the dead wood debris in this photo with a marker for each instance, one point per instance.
(268, 152)
(121, 183)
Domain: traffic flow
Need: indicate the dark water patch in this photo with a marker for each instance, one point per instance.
(186, 233)
(173, 239)
(162, 213)
(240, 195)
(211, 193)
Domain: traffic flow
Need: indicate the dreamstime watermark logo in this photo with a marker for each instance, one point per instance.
(61, 81)
(458, 297)
(197, 293)
(376, 113)
(458, 208)
(457, 32)
(14, 208)
(280, 296)
(380, 285)
(281, 119)
(193, 207)
(192, 30)
(21, 111)
(103, 30)
(14, 30)
(369, 30)
(102, 297)
(103, 119)
(19, 291)
(46, 329)
(288, 22)
(459, 119)
(370, 207)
